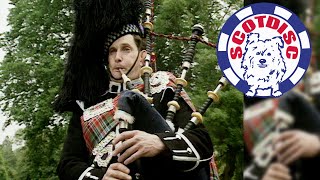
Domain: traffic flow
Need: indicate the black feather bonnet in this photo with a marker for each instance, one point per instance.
(97, 24)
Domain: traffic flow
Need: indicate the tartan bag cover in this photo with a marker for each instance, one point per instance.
(259, 121)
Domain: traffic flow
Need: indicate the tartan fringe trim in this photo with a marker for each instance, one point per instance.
(119, 114)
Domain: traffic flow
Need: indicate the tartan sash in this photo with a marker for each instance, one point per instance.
(98, 127)
(162, 80)
(214, 175)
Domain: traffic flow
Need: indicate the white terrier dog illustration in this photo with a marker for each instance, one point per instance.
(263, 64)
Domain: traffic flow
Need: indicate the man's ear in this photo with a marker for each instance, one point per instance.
(142, 57)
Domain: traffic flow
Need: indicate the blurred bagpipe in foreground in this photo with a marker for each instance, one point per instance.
(281, 135)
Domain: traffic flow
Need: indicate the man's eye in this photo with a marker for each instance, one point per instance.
(111, 51)
(126, 49)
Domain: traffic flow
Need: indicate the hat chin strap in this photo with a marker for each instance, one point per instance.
(135, 62)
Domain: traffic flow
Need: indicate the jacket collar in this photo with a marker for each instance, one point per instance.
(116, 87)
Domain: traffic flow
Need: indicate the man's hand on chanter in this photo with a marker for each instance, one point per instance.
(136, 144)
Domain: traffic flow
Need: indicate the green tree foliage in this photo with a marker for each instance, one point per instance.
(30, 76)
(8, 161)
(32, 71)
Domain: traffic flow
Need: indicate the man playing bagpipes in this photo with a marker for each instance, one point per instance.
(281, 134)
(281, 137)
(103, 66)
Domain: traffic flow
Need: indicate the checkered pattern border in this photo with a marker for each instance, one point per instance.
(113, 36)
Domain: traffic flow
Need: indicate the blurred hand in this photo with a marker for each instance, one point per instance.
(117, 171)
(294, 144)
(277, 171)
(136, 144)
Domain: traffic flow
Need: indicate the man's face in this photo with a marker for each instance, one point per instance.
(122, 55)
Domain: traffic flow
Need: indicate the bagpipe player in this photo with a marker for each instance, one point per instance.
(107, 44)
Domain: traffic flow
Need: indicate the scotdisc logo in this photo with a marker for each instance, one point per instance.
(264, 50)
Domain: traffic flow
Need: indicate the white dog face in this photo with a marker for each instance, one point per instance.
(263, 62)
